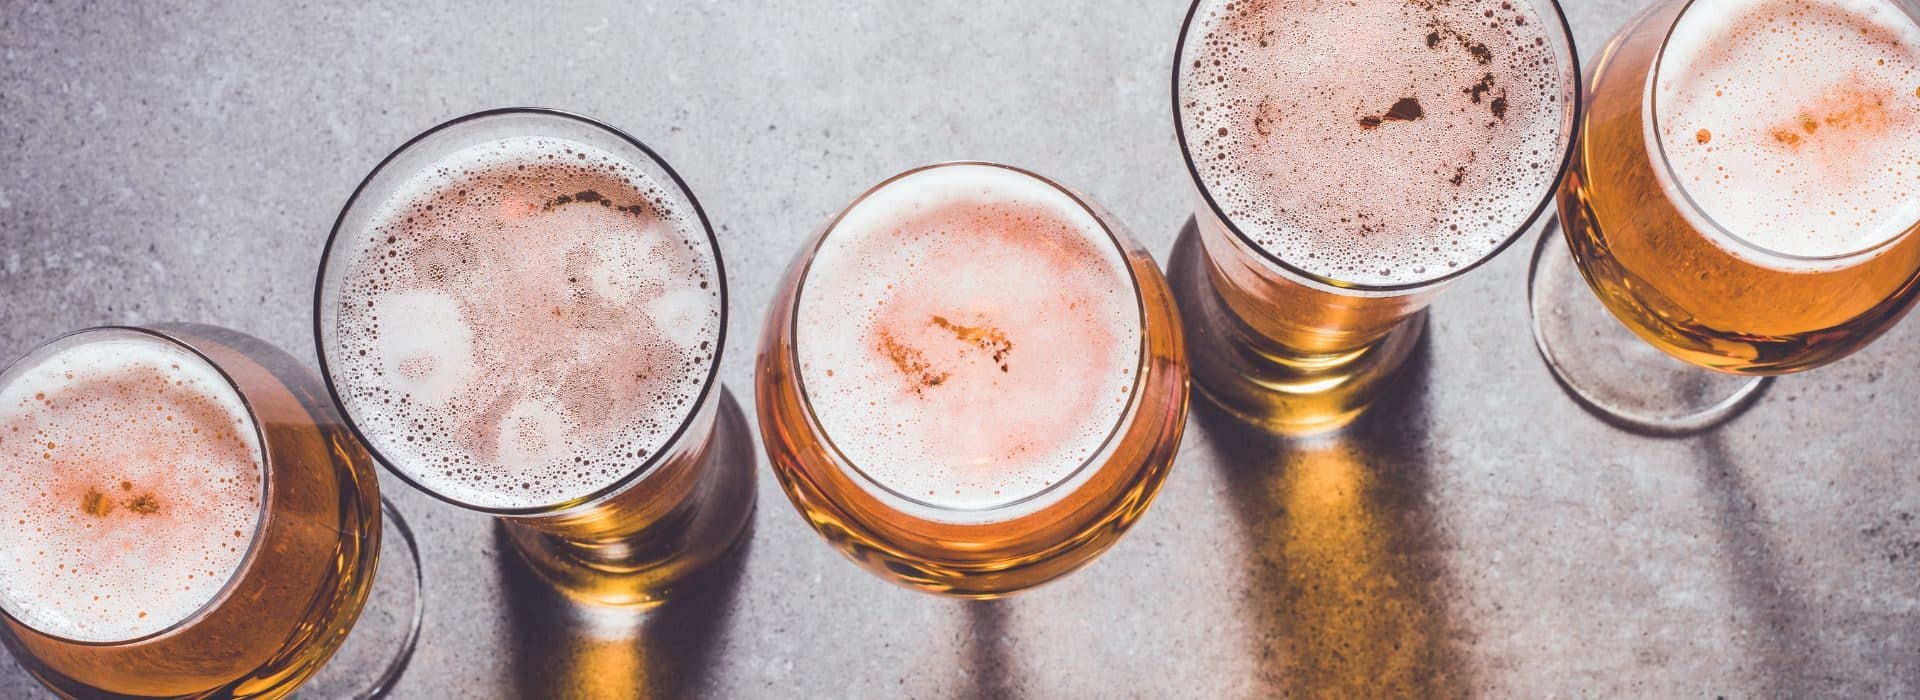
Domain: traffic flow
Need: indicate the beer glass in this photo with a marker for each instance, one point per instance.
(187, 517)
(1741, 200)
(1347, 167)
(522, 311)
(972, 380)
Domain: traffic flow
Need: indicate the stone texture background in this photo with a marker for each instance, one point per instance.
(1481, 535)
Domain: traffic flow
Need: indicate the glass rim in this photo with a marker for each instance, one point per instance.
(1657, 148)
(1571, 123)
(247, 560)
(632, 477)
(850, 467)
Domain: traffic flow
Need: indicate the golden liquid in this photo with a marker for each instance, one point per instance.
(983, 560)
(312, 564)
(1670, 282)
(636, 547)
(1277, 353)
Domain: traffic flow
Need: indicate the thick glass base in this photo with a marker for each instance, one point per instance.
(1610, 371)
(1264, 383)
(381, 642)
(646, 569)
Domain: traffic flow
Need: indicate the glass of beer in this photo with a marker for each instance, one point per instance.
(972, 381)
(186, 516)
(1348, 165)
(1743, 198)
(521, 312)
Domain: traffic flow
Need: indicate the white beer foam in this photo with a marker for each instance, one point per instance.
(1795, 124)
(1301, 123)
(968, 336)
(525, 322)
(433, 360)
(132, 474)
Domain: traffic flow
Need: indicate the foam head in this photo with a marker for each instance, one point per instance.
(968, 335)
(131, 474)
(525, 322)
(1795, 124)
(1387, 143)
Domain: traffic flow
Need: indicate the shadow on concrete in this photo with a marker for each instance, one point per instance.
(989, 662)
(564, 648)
(1780, 641)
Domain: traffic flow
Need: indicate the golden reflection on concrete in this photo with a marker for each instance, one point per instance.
(604, 668)
(606, 654)
(1348, 602)
(1346, 583)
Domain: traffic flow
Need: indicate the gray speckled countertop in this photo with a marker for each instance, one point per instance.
(1481, 534)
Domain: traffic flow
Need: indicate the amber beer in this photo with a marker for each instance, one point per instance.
(972, 381)
(185, 515)
(1348, 165)
(1747, 185)
(522, 312)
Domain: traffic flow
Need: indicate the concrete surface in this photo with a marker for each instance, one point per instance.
(1481, 535)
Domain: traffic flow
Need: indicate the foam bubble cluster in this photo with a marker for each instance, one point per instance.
(1796, 123)
(131, 472)
(968, 335)
(1382, 142)
(525, 322)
